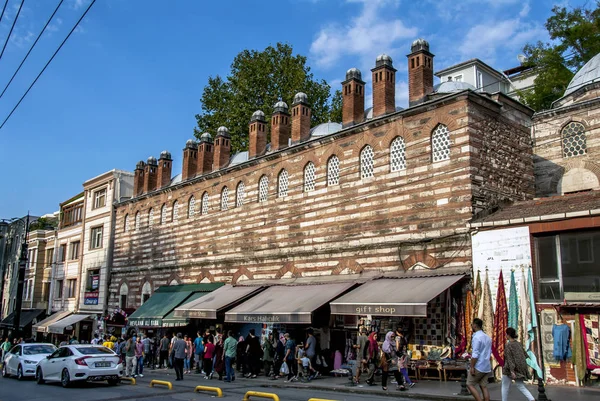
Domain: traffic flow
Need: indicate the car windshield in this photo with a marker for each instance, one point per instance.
(94, 350)
(38, 349)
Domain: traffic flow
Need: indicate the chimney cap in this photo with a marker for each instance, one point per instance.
(206, 137)
(419, 44)
(191, 144)
(383, 59)
(152, 161)
(140, 165)
(281, 107)
(165, 154)
(258, 115)
(223, 131)
(353, 73)
(300, 97)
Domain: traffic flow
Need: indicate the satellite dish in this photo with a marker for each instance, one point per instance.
(522, 58)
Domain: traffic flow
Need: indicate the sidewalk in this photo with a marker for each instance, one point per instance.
(424, 390)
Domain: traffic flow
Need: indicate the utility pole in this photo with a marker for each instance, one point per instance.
(20, 282)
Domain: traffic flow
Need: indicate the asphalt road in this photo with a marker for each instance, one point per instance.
(28, 390)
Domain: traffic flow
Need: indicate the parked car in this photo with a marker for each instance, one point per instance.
(22, 359)
(80, 362)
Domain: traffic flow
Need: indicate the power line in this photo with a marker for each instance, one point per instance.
(12, 27)
(3, 9)
(48, 63)
(30, 49)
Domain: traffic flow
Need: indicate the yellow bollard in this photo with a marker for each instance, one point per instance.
(162, 383)
(260, 395)
(213, 389)
(131, 380)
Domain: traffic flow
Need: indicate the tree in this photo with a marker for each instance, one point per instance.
(44, 223)
(335, 112)
(575, 35)
(257, 80)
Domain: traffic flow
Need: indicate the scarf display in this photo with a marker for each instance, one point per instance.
(579, 355)
(468, 315)
(523, 315)
(591, 338)
(476, 297)
(486, 310)
(500, 322)
(513, 303)
(388, 345)
(531, 327)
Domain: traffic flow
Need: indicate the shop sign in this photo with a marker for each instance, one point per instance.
(380, 309)
(199, 314)
(95, 282)
(268, 318)
(91, 298)
(146, 322)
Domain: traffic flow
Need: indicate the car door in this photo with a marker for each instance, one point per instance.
(55, 363)
(13, 359)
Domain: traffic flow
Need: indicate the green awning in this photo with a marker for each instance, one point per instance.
(164, 300)
(171, 321)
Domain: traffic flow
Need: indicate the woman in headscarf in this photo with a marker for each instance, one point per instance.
(372, 357)
(389, 362)
(279, 353)
(219, 365)
(241, 363)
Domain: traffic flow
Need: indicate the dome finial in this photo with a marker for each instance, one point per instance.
(419, 44)
(353, 73)
(280, 107)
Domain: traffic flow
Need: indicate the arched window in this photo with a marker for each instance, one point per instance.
(240, 194)
(126, 223)
(263, 189)
(175, 211)
(150, 218)
(137, 221)
(366, 162)
(573, 140)
(397, 155)
(333, 171)
(205, 203)
(123, 294)
(191, 207)
(440, 143)
(146, 291)
(163, 214)
(309, 177)
(282, 184)
(224, 198)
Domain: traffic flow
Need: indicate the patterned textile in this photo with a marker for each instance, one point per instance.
(579, 354)
(476, 297)
(547, 321)
(469, 316)
(591, 337)
(523, 306)
(532, 325)
(500, 322)
(513, 303)
(486, 310)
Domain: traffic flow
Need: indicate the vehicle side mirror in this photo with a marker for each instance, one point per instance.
(48, 356)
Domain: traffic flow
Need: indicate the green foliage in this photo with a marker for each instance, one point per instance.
(335, 112)
(44, 223)
(257, 80)
(575, 35)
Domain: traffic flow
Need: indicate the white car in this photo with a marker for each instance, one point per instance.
(80, 362)
(22, 359)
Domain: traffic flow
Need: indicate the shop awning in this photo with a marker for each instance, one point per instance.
(208, 306)
(285, 304)
(164, 300)
(27, 317)
(60, 326)
(393, 297)
(42, 327)
(171, 320)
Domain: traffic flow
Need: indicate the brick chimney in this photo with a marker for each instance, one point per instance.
(300, 118)
(420, 72)
(384, 86)
(353, 95)
(280, 126)
(150, 174)
(138, 178)
(222, 148)
(257, 132)
(190, 160)
(165, 163)
(205, 154)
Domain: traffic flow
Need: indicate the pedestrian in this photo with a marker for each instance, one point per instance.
(240, 356)
(188, 354)
(480, 362)
(130, 360)
(229, 353)
(6, 346)
(178, 351)
(279, 353)
(362, 342)
(139, 357)
(253, 354)
(209, 353)
(290, 357)
(311, 347)
(372, 357)
(402, 351)
(147, 345)
(268, 355)
(199, 351)
(72, 341)
(219, 362)
(95, 340)
(389, 362)
(164, 352)
(515, 366)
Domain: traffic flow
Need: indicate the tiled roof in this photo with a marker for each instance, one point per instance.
(551, 208)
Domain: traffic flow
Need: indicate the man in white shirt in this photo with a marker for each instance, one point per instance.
(480, 362)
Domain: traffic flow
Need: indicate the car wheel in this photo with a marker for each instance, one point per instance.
(39, 376)
(65, 378)
(20, 373)
(4, 371)
(113, 382)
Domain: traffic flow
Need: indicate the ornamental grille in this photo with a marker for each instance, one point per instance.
(175, 211)
(126, 225)
(224, 198)
(282, 186)
(137, 221)
(309, 177)
(397, 155)
(333, 171)
(573, 139)
(240, 193)
(263, 189)
(163, 214)
(440, 143)
(205, 203)
(366, 162)
(150, 218)
(192, 207)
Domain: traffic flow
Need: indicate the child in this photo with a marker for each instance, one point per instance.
(308, 373)
(300, 353)
(403, 365)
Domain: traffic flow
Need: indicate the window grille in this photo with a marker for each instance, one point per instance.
(192, 207)
(309, 177)
(240, 194)
(282, 185)
(333, 171)
(205, 203)
(163, 214)
(175, 211)
(573, 139)
(440, 143)
(366, 162)
(224, 198)
(137, 221)
(263, 189)
(397, 155)
(150, 218)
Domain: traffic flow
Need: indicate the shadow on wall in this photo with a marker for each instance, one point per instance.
(571, 175)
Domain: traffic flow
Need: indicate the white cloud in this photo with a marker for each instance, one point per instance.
(77, 4)
(525, 10)
(367, 34)
(55, 26)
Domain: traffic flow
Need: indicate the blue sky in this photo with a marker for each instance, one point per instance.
(128, 82)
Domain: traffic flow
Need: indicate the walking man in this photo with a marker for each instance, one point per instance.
(480, 362)
(164, 352)
(178, 356)
(229, 353)
(362, 342)
(130, 361)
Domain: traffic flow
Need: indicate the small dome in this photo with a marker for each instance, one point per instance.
(325, 129)
(280, 106)
(152, 161)
(206, 137)
(165, 154)
(258, 115)
(140, 165)
(383, 59)
(419, 44)
(190, 143)
(300, 98)
(223, 131)
(453, 86)
(588, 74)
(239, 157)
(354, 73)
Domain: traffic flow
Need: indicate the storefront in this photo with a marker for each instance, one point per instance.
(66, 327)
(28, 318)
(41, 328)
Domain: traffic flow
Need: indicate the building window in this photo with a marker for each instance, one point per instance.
(240, 194)
(146, 292)
(191, 207)
(397, 155)
(123, 293)
(126, 223)
(440, 143)
(333, 171)
(62, 253)
(96, 238)
(263, 189)
(479, 80)
(59, 289)
(138, 220)
(458, 78)
(30, 259)
(224, 198)
(573, 140)
(309, 177)
(26, 289)
(567, 263)
(71, 288)
(205, 203)
(150, 218)
(99, 198)
(366, 162)
(163, 214)
(71, 215)
(282, 184)
(175, 211)
(49, 257)
(74, 250)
